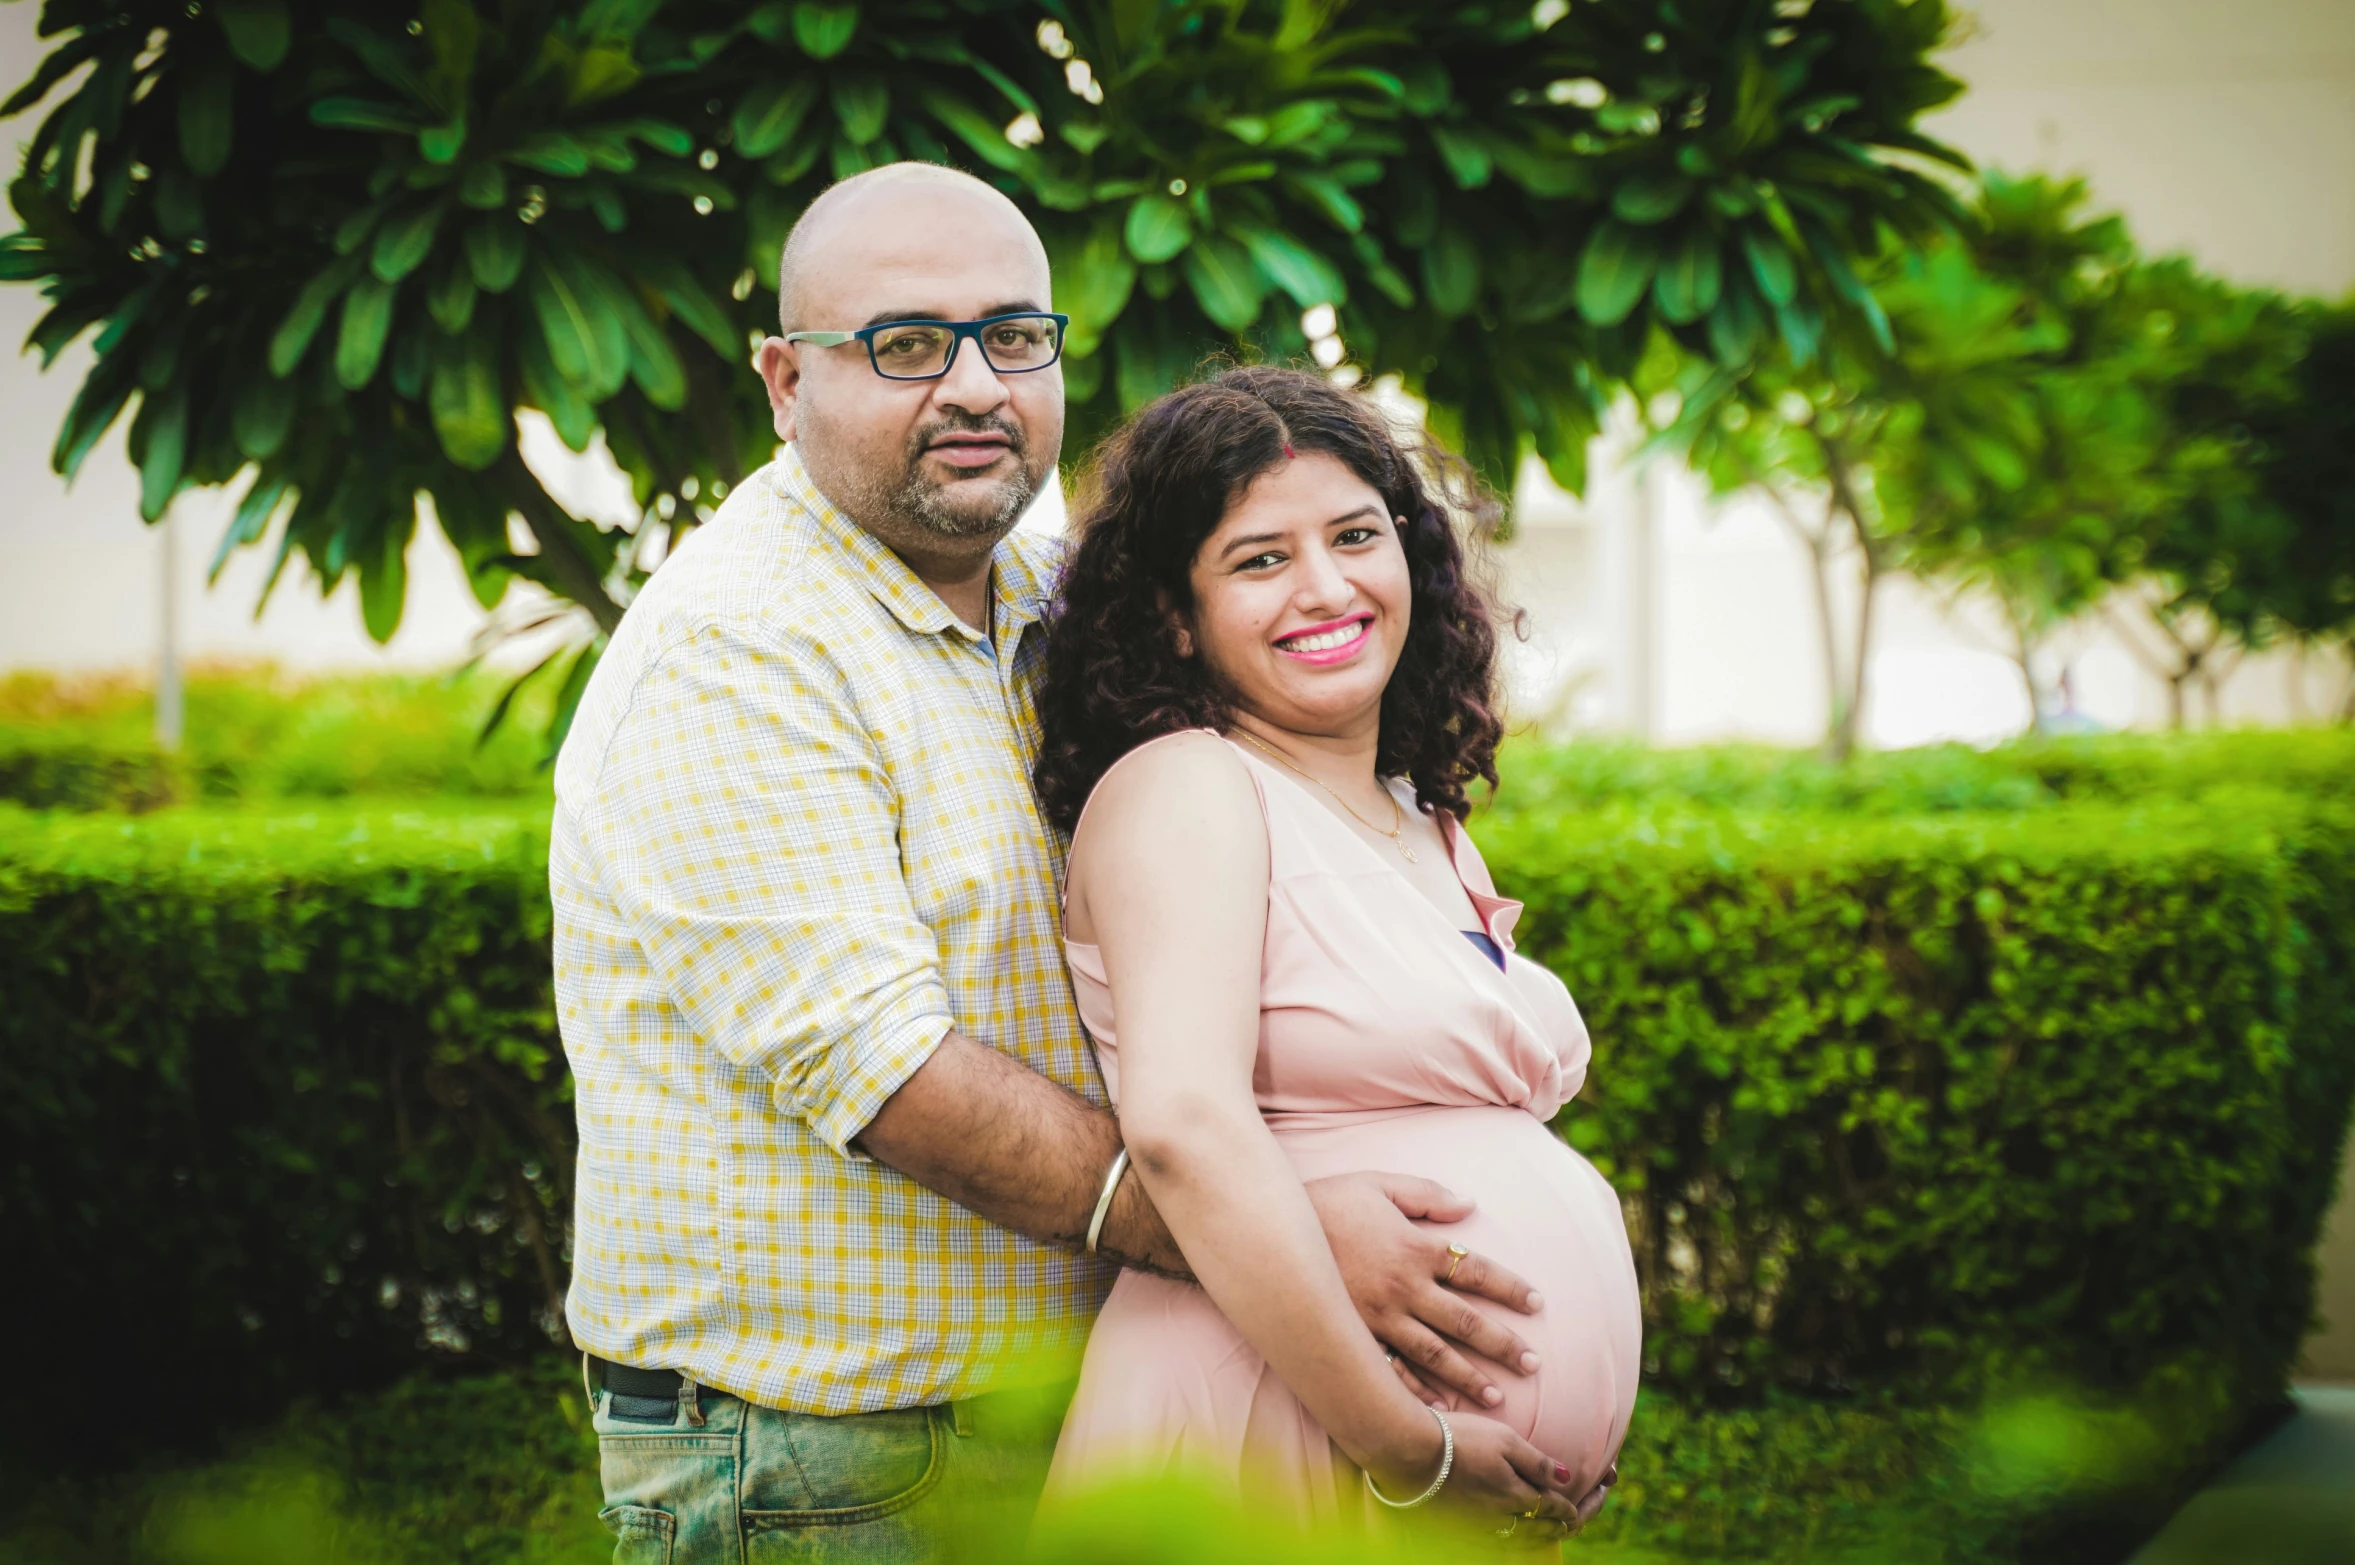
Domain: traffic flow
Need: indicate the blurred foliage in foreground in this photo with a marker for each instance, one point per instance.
(501, 1470)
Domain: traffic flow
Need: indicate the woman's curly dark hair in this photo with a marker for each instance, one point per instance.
(1159, 487)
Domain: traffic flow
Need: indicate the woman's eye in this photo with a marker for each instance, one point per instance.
(1351, 535)
(1261, 562)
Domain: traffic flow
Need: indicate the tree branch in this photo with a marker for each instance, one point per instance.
(569, 547)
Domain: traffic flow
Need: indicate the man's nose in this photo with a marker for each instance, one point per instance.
(971, 386)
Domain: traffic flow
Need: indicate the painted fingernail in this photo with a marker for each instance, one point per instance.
(1528, 1363)
(1533, 1302)
(1491, 1396)
(1561, 1473)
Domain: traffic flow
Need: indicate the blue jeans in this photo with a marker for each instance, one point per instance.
(753, 1485)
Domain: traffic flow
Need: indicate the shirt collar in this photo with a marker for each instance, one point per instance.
(1020, 566)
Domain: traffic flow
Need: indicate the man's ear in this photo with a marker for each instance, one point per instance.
(779, 363)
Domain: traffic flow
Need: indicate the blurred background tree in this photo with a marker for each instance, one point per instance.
(332, 250)
(2038, 413)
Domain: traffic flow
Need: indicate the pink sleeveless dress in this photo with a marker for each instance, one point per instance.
(1388, 1041)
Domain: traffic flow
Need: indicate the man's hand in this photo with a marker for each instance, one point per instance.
(1393, 1268)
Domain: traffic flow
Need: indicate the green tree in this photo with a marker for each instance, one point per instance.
(331, 249)
(1878, 442)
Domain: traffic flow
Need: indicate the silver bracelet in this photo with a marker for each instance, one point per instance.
(1104, 1201)
(1447, 1462)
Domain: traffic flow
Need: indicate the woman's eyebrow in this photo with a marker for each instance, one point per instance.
(1259, 538)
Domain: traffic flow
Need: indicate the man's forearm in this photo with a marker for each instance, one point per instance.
(1003, 1141)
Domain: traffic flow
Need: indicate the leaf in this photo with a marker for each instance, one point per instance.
(1736, 325)
(977, 130)
(824, 31)
(251, 521)
(768, 115)
(261, 414)
(694, 308)
(1771, 263)
(441, 144)
(55, 67)
(365, 114)
(451, 302)
(575, 421)
(293, 337)
(469, 415)
(586, 339)
(166, 449)
(454, 33)
(1614, 270)
(483, 186)
(95, 407)
(208, 103)
(403, 243)
(1337, 204)
(258, 30)
(384, 584)
(551, 152)
(495, 251)
(1159, 227)
(367, 320)
(1093, 276)
(1451, 272)
(1651, 197)
(1691, 274)
(1467, 159)
(862, 104)
(1292, 266)
(1225, 282)
(654, 363)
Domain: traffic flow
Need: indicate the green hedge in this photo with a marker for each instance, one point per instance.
(1896, 1100)
(2033, 774)
(282, 1100)
(1899, 1104)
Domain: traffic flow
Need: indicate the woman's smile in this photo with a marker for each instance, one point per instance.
(1335, 641)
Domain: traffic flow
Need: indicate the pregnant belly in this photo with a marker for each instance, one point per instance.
(1545, 1213)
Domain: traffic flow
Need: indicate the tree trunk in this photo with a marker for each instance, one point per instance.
(1818, 544)
(1841, 743)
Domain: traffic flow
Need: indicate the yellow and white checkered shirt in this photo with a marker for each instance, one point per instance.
(795, 842)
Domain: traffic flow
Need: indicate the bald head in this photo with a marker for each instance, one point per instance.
(838, 231)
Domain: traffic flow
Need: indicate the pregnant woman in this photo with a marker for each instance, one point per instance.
(1269, 687)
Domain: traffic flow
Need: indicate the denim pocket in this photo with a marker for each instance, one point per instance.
(854, 1468)
(642, 1534)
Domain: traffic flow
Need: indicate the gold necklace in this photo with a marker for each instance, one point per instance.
(1397, 815)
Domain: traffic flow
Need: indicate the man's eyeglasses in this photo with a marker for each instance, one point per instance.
(924, 350)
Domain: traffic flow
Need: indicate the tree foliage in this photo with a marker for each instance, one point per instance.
(338, 246)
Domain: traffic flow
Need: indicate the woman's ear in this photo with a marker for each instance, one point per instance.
(1181, 633)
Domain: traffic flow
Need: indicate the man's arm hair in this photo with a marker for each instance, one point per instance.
(1004, 1142)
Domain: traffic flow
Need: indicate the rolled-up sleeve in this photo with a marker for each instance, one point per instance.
(750, 834)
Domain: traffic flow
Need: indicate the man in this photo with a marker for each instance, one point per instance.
(841, 1140)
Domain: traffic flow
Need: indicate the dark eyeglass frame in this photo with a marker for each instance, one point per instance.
(963, 330)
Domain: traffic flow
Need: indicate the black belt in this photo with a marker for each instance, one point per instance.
(624, 1380)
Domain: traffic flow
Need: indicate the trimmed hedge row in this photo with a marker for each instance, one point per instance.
(1892, 1101)
(283, 1104)
(1900, 1101)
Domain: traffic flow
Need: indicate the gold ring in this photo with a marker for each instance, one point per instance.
(1456, 1254)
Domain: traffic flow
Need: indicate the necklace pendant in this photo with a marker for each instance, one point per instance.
(1410, 854)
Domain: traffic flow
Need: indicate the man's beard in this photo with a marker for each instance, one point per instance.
(929, 504)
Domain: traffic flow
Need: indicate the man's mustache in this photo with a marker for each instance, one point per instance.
(971, 424)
